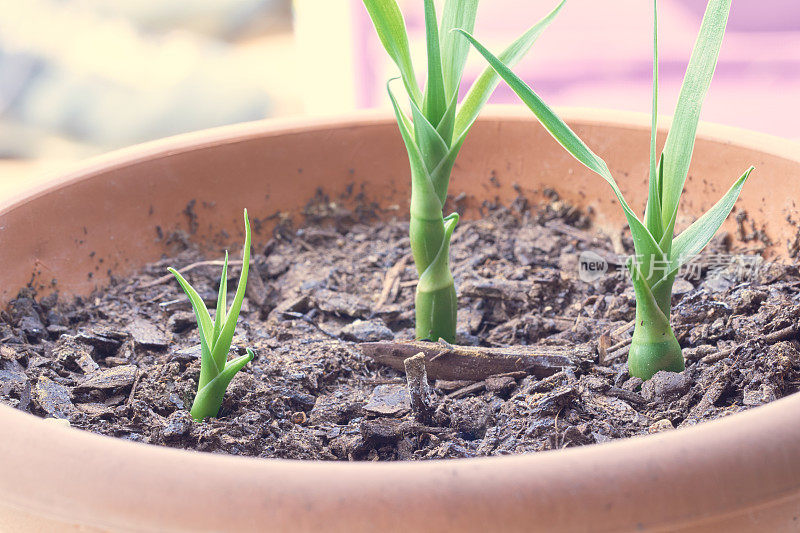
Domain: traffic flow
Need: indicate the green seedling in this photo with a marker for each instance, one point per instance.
(433, 136)
(659, 253)
(216, 372)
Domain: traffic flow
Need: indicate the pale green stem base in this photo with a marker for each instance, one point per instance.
(436, 314)
(436, 305)
(653, 349)
(654, 346)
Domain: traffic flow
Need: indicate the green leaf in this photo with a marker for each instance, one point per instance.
(402, 120)
(222, 300)
(223, 344)
(643, 241)
(440, 175)
(669, 232)
(557, 128)
(391, 29)
(235, 365)
(437, 276)
(204, 323)
(435, 101)
(431, 145)
(652, 214)
(433, 149)
(680, 140)
(425, 203)
(482, 89)
(648, 307)
(697, 236)
(485, 85)
(209, 369)
(209, 398)
(448, 122)
(456, 14)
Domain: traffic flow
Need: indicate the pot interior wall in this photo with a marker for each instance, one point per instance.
(115, 216)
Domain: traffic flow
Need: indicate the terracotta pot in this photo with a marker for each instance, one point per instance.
(740, 473)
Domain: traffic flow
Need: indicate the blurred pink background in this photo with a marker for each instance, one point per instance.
(598, 54)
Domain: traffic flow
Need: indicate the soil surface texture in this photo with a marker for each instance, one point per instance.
(125, 361)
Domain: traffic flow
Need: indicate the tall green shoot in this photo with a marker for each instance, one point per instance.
(216, 336)
(659, 253)
(433, 136)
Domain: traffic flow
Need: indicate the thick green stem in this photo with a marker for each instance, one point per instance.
(436, 313)
(426, 240)
(436, 304)
(654, 346)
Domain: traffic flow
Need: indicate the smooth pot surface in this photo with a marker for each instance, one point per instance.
(741, 473)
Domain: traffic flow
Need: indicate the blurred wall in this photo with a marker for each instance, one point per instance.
(82, 76)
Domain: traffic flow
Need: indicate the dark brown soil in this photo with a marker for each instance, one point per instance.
(124, 362)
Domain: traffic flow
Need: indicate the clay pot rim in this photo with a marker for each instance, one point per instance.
(197, 140)
(674, 458)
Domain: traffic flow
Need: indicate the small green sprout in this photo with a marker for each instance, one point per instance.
(659, 253)
(216, 372)
(433, 137)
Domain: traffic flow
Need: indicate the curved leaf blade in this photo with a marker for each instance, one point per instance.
(652, 214)
(486, 83)
(201, 313)
(209, 369)
(644, 242)
(425, 203)
(679, 146)
(456, 14)
(222, 299)
(435, 103)
(223, 344)
(438, 276)
(391, 29)
(431, 145)
(700, 233)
